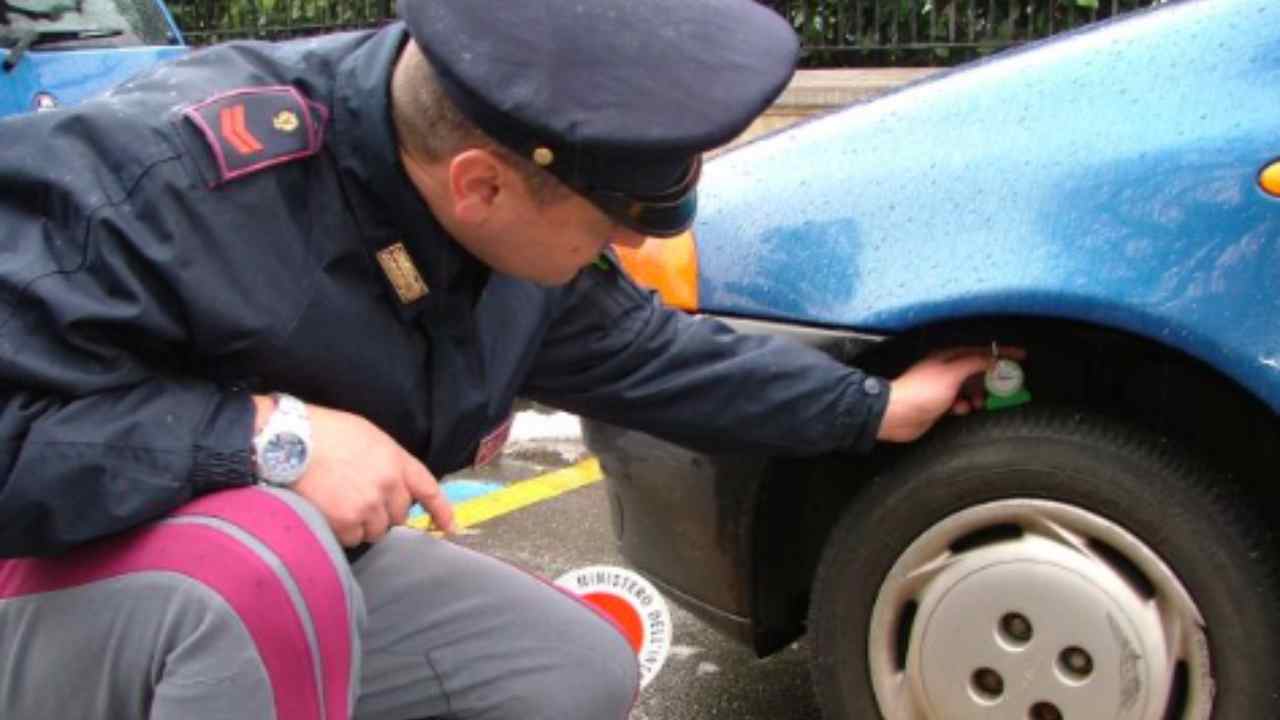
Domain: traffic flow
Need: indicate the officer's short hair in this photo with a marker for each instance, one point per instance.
(432, 127)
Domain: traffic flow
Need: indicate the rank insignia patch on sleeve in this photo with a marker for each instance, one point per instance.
(256, 128)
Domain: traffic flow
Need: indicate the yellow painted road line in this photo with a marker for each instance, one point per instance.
(519, 495)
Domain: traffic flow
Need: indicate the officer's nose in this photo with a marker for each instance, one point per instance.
(627, 237)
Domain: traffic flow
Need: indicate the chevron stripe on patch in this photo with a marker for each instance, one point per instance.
(255, 128)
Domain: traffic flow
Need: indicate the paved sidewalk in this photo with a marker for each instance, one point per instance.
(814, 91)
(541, 441)
(706, 676)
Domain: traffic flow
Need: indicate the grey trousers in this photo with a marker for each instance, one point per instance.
(241, 605)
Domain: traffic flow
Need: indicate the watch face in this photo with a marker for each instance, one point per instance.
(284, 456)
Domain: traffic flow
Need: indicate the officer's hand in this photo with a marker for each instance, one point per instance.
(933, 386)
(363, 481)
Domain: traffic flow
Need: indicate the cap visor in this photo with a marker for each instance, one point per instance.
(661, 220)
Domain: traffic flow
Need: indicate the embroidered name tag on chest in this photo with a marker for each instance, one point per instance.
(255, 128)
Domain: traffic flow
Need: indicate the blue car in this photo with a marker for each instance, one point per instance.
(1108, 200)
(62, 52)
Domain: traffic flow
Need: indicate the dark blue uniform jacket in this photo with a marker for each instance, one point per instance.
(144, 296)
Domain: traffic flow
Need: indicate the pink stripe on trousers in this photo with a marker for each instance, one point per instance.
(210, 557)
(278, 526)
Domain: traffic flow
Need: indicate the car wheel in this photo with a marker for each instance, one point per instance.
(1042, 564)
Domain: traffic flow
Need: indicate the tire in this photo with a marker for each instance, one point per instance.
(1040, 561)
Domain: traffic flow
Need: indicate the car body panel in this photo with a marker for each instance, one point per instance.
(1095, 193)
(73, 76)
(690, 520)
(1108, 176)
(67, 71)
(683, 519)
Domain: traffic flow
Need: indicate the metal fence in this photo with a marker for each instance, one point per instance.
(834, 33)
(204, 22)
(933, 32)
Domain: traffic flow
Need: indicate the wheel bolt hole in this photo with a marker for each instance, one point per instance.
(1045, 711)
(1016, 629)
(987, 684)
(1075, 663)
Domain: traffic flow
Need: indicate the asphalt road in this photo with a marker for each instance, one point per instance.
(706, 676)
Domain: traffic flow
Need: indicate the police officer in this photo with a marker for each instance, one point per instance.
(251, 304)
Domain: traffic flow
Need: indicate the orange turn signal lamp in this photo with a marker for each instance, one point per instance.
(1270, 179)
(668, 266)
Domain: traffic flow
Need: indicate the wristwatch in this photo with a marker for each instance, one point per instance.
(282, 449)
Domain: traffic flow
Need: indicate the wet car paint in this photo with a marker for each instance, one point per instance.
(1109, 176)
(47, 77)
(1090, 178)
(73, 76)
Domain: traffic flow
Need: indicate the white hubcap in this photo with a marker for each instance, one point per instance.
(1035, 610)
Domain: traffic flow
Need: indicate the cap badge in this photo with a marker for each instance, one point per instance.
(543, 156)
(285, 121)
(402, 273)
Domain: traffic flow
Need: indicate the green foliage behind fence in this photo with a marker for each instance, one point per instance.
(209, 21)
(933, 32)
(834, 32)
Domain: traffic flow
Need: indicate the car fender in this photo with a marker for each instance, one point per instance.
(72, 76)
(1108, 176)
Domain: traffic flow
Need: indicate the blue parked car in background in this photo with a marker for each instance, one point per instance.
(1109, 200)
(62, 52)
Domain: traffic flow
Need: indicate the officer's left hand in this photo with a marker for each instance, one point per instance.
(929, 389)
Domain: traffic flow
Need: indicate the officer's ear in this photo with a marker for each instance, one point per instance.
(476, 185)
